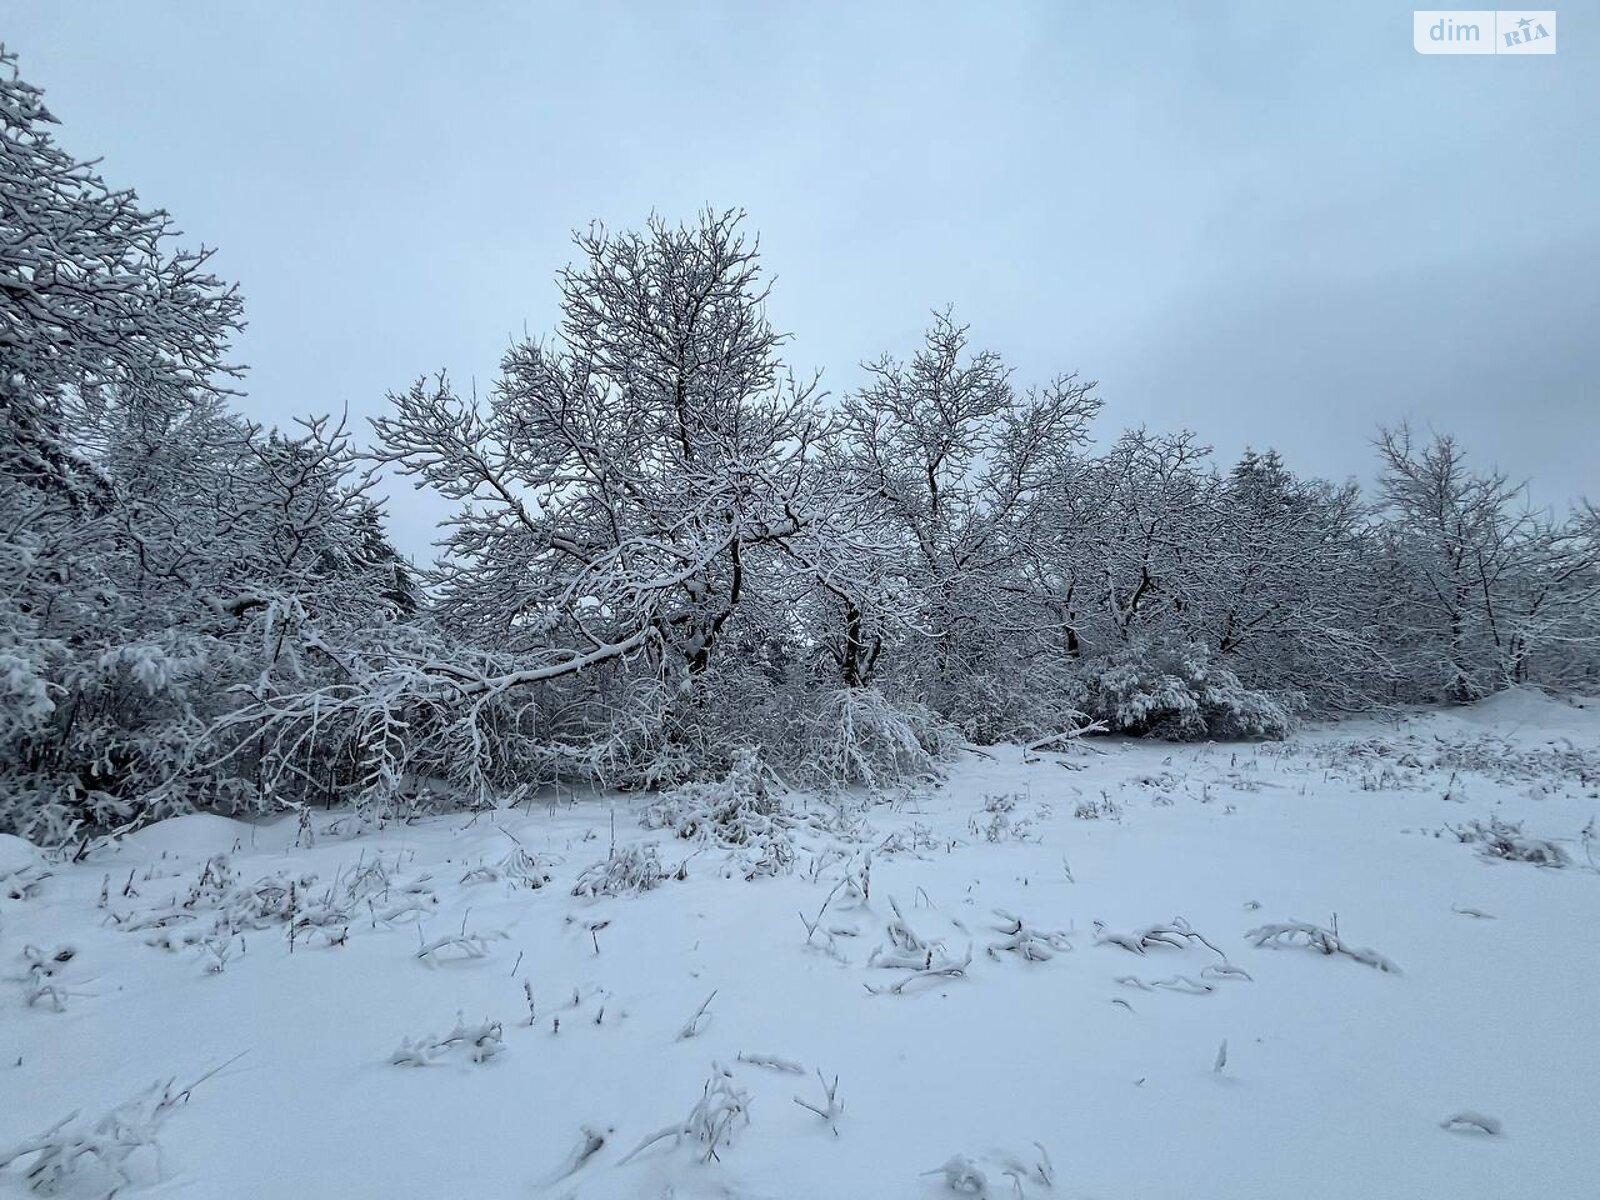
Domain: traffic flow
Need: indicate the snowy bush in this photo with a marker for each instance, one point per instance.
(1172, 690)
(733, 811)
(858, 737)
(743, 812)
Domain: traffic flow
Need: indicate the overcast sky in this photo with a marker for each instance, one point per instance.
(1274, 223)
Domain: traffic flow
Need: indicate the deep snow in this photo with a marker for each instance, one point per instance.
(1335, 1082)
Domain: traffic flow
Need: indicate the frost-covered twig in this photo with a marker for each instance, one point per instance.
(811, 924)
(1178, 983)
(832, 1107)
(691, 1027)
(773, 1063)
(466, 945)
(1468, 1121)
(1015, 1168)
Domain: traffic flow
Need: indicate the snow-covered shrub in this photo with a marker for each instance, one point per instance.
(626, 871)
(1024, 699)
(743, 812)
(1172, 690)
(741, 808)
(858, 736)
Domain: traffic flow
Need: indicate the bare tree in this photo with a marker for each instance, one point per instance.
(1479, 581)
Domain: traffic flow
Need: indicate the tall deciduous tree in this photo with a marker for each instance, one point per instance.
(957, 466)
(622, 482)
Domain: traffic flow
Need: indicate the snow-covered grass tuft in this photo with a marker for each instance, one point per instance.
(464, 943)
(722, 1110)
(471, 1043)
(626, 871)
(999, 820)
(1323, 941)
(42, 979)
(962, 1176)
(926, 959)
(517, 868)
(119, 1149)
(1026, 941)
(1505, 840)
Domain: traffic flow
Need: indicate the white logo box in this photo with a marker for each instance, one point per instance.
(1484, 31)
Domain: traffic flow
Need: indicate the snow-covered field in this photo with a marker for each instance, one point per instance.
(1117, 1032)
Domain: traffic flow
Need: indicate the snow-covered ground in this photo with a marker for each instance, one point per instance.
(1090, 1021)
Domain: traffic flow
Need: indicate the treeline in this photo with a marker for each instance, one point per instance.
(667, 553)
